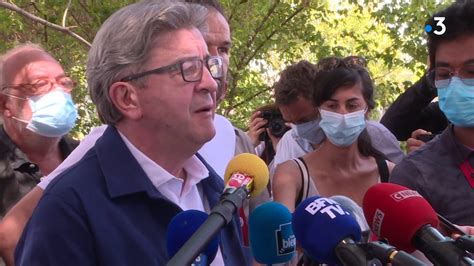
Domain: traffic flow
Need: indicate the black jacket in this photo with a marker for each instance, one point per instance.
(413, 109)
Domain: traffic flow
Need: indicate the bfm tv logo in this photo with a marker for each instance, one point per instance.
(286, 241)
(326, 207)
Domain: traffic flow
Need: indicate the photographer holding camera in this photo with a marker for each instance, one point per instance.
(266, 127)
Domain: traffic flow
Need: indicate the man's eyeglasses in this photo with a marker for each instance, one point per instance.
(331, 63)
(42, 86)
(191, 69)
(440, 77)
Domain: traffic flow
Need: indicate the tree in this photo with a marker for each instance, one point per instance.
(267, 35)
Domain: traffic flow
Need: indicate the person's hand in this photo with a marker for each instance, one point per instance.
(467, 229)
(413, 143)
(256, 127)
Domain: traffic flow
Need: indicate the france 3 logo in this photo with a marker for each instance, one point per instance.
(286, 241)
(441, 28)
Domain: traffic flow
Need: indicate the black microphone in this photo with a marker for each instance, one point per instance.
(246, 174)
(462, 240)
(389, 254)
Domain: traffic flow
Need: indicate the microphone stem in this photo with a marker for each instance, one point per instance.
(220, 215)
(350, 254)
(440, 250)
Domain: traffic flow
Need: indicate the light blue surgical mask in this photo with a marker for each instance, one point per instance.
(342, 130)
(456, 100)
(53, 114)
(310, 131)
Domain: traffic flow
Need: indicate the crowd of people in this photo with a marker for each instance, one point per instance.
(162, 150)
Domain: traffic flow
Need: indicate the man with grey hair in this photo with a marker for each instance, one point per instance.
(37, 112)
(157, 95)
(216, 152)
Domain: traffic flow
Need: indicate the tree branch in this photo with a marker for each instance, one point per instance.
(65, 13)
(34, 18)
(246, 100)
(271, 35)
(259, 47)
(257, 30)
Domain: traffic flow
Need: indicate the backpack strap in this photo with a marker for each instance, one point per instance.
(383, 170)
(303, 193)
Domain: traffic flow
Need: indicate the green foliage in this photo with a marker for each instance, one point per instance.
(267, 36)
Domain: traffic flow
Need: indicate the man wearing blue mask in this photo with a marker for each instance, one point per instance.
(37, 112)
(293, 95)
(442, 170)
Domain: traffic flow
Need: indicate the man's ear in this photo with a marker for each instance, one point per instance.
(5, 106)
(125, 98)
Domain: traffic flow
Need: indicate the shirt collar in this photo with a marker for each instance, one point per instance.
(195, 169)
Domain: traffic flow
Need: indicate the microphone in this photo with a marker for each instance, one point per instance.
(272, 239)
(375, 249)
(354, 209)
(461, 239)
(181, 228)
(248, 171)
(246, 174)
(327, 232)
(407, 220)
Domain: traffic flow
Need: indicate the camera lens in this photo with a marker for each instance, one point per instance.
(277, 127)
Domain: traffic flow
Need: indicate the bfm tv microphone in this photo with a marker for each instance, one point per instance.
(376, 249)
(327, 232)
(408, 221)
(182, 227)
(246, 174)
(272, 239)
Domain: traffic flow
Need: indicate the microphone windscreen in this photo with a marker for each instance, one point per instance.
(251, 165)
(353, 208)
(396, 213)
(320, 224)
(182, 227)
(272, 239)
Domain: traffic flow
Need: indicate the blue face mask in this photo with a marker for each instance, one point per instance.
(342, 130)
(456, 100)
(310, 131)
(53, 114)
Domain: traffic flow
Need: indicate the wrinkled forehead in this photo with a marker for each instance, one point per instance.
(27, 65)
(217, 30)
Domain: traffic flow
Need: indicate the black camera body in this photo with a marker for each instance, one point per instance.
(275, 123)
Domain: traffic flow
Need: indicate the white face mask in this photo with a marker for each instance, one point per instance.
(342, 130)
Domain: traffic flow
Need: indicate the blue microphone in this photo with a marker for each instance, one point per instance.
(182, 227)
(328, 232)
(271, 235)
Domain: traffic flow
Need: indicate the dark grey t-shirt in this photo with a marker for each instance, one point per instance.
(434, 171)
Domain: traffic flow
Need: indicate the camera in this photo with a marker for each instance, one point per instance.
(275, 123)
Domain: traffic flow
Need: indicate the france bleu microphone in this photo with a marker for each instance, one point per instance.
(327, 232)
(272, 239)
(376, 249)
(408, 221)
(182, 227)
(246, 174)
